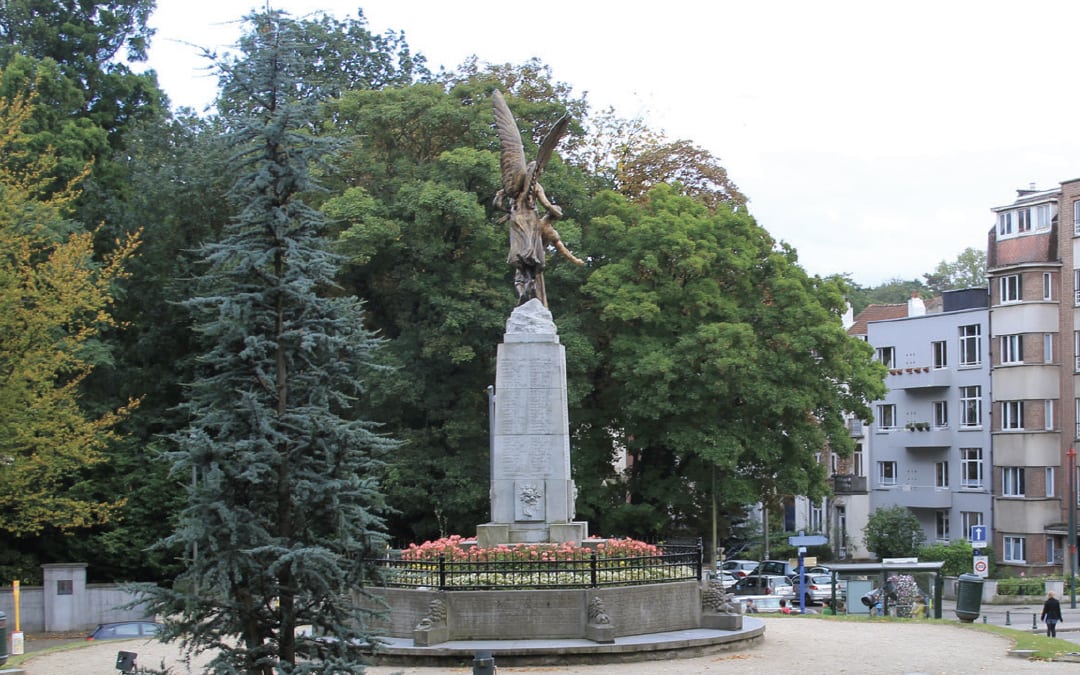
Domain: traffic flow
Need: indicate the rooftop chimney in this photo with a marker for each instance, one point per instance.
(915, 305)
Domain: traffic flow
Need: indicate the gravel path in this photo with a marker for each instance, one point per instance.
(807, 647)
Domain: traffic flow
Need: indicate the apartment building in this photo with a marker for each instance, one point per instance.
(1035, 345)
(931, 435)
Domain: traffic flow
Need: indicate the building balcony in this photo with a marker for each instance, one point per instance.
(914, 496)
(923, 377)
(933, 437)
(849, 484)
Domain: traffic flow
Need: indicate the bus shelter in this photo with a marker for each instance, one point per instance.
(881, 572)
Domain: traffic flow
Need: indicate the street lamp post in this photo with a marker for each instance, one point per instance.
(1072, 527)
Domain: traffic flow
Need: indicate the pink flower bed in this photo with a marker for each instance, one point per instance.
(456, 547)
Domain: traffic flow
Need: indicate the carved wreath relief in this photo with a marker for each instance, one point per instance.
(529, 505)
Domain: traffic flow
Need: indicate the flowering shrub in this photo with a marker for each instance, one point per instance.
(907, 591)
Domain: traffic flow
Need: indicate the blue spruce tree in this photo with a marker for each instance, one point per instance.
(284, 506)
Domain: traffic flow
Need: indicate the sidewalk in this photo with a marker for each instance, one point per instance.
(1020, 616)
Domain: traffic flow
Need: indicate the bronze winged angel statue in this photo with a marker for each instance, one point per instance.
(530, 234)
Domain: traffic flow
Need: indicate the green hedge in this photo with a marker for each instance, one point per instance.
(1021, 586)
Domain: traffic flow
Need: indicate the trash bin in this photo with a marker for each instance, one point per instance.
(968, 597)
(3, 639)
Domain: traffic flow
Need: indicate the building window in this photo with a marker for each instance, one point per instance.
(970, 345)
(1042, 217)
(857, 461)
(1076, 288)
(887, 356)
(1012, 481)
(1005, 224)
(1012, 415)
(1051, 475)
(1053, 555)
(1012, 348)
(942, 525)
(1048, 286)
(971, 467)
(1077, 418)
(887, 473)
(1048, 414)
(941, 475)
(941, 414)
(1048, 347)
(968, 520)
(1076, 218)
(1010, 288)
(887, 416)
(1014, 549)
(941, 354)
(971, 406)
(817, 518)
(1023, 220)
(1076, 348)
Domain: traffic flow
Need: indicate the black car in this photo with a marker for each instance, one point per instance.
(123, 630)
(759, 584)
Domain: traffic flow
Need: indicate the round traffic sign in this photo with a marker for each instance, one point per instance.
(980, 566)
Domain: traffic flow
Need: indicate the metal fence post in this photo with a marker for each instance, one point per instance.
(592, 570)
(442, 572)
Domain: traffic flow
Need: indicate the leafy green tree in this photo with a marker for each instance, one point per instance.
(55, 300)
(893, 532)
(957, 556)
(968, 270)
(719, 354)
(90, 40)
(285, 504)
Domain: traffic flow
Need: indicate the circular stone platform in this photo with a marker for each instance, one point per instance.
(632, 648)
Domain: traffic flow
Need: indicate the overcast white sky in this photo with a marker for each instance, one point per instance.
(872, 137)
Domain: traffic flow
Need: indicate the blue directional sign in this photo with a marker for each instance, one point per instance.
(807, 540)
(978, 536)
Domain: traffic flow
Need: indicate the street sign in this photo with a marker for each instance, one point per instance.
(978, 536)
(982, 566)
(808, 540)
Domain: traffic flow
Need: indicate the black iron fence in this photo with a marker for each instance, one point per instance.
(582, 569)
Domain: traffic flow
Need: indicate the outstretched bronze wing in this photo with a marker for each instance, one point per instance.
(550, 141)
(512, 159)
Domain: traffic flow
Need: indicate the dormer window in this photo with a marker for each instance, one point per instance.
(1015, 222)
(1005, 224)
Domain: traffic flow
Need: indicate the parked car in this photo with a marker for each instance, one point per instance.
(123, 630)
(761, 584)
(738, 568)
(818, 586)
(775, 567)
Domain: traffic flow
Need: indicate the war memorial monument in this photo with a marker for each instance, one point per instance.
(573, 608)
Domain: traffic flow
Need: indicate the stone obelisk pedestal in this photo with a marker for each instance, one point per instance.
(532, 493)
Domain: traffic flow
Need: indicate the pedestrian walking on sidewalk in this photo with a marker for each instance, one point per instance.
(1051, 614)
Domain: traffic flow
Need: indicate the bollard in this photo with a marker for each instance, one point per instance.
(1034, 621)
(483, 664)
(984, 618)
(1008, 619)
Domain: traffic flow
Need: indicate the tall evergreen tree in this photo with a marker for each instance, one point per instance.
(284, 504)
